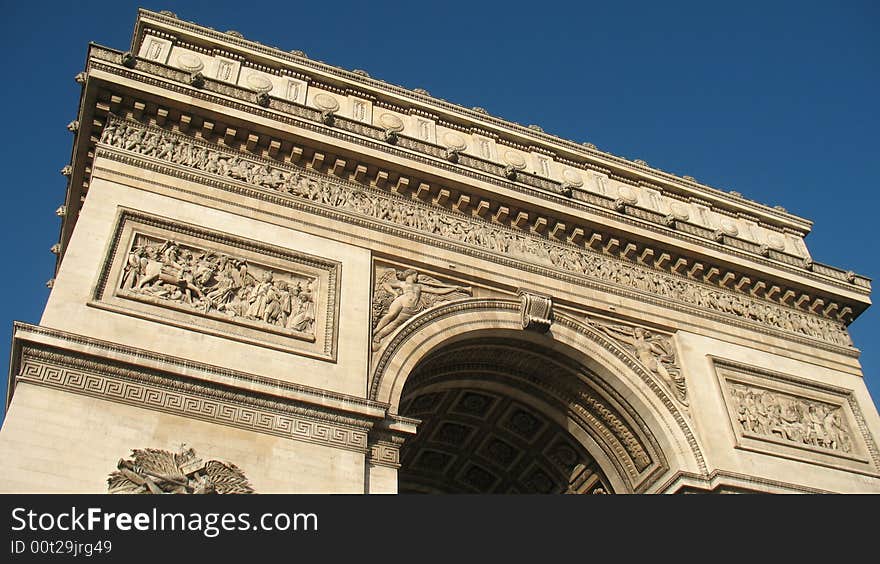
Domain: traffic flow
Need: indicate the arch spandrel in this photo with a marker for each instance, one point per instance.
(644, 403)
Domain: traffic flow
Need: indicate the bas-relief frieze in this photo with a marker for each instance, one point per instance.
(238, 287)
(436, 221)
(789, 416)
(484, 148)
(213, 283)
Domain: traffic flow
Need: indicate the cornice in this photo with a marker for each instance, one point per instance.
(272, 57)
(270, 389)
(370, 136)
(568, 256)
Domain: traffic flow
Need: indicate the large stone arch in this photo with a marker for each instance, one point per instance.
(619, 406)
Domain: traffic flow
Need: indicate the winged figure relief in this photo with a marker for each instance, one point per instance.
(401, 294)
(653, 350)
(154, 471)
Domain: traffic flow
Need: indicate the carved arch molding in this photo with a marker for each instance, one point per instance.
(574, 376)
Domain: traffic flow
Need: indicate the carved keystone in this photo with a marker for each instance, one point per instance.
(536, 311)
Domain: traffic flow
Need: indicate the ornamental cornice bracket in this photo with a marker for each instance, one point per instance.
(536, 311)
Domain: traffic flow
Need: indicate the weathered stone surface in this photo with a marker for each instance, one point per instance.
(320, 282)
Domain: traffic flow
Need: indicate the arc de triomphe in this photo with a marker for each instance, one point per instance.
(275, 275)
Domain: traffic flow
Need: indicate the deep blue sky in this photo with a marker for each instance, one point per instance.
(777, 100)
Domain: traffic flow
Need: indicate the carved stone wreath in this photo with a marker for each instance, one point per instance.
(155, 471)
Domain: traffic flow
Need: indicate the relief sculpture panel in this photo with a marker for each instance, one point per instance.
(400, 294)
(211, 283)
(792, 417)
(474, 234)
(221, 284)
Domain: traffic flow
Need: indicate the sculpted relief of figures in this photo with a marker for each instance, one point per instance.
(401, 294)
(154, 471)
(217, 284)
(479, 233)
(655, 351)
(790, 418)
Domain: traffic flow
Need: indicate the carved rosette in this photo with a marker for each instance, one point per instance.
(155, 471)
(536, 311)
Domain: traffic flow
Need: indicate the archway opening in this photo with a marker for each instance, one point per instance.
(494, 419)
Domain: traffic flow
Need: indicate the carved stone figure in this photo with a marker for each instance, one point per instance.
(400, 295)
(789, 418)
(435, 220)
(213, 283)
(154, 471)
(653, 350)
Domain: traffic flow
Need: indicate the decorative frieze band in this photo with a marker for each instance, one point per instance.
(599, 200)
(499, 243)
(149, 389)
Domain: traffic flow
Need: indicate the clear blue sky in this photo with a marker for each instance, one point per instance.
(777, 100)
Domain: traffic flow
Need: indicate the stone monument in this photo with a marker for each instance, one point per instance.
(275, 275)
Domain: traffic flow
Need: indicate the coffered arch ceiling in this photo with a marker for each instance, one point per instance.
(501, 415)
